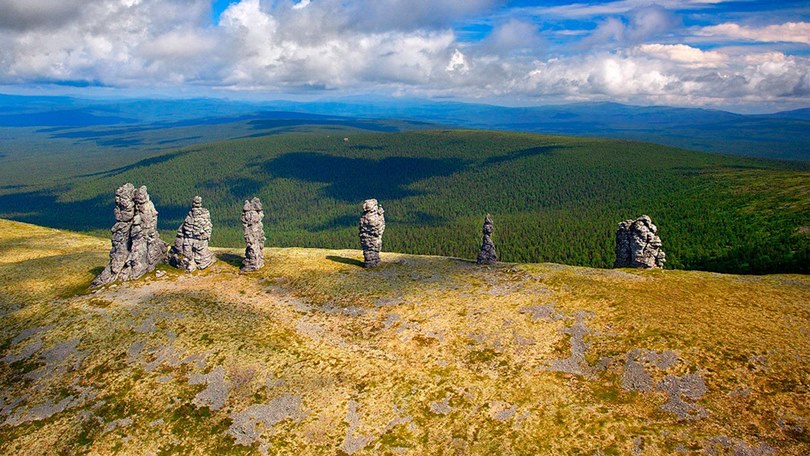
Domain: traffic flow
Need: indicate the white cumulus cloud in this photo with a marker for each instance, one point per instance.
(795, 32)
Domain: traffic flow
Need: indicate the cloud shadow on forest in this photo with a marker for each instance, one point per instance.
(355, 179)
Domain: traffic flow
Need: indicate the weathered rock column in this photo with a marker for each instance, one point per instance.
(638, 245)
(119, 252)
(252, 215)
(488, 254)
(190, 250)
(147, 248)
(136, 245)
(372, 225)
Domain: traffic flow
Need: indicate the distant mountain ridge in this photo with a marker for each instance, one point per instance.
(781, 135)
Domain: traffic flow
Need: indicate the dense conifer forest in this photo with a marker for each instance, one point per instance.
(552, 198)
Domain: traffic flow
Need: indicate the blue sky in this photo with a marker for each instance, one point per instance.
(738, 55)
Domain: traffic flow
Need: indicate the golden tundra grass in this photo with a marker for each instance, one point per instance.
(424, 355)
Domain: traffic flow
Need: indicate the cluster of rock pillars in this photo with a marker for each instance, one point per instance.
(138, 249)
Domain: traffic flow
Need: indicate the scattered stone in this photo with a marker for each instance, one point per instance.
(487, 255)
(635, 377)
(441, 407)
(246, 424)
(721, 444)
(190, 250)
(136, 245)
(26, 333)
(354, 442)
(252, 215)
(690, 386)
(25, 353)
(638, 245)
(662, 360)
(134, 351)
(740, 392)
(120, 423)
(372, 225)
(545, 312)
(502, 411)
(576, 363)
(216, 393)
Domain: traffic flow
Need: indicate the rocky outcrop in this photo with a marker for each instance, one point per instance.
(252, 215)
(372, 225)
(487, 255)
(638, 245)
(190, 250)
(136, 245)
(147, 248)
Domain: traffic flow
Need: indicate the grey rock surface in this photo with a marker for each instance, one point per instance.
(372, 225)
(190, 250)
(252, 215)
(488, 254)
(136, 245)
(638, 245)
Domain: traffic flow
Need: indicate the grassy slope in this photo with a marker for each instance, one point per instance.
(553, 198)
(423, 355)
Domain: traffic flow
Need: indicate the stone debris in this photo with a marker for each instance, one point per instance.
(26, 333)
(488, 254)
(502, 411)
(120, 423)
(26, 352)
(637, 377)
(249, 424)
(190, 250)
(638, 245)
(576, 363)
(690, 386)
(441, 407)
(49, 407)
(372, 225)
(722, 444)
(545, 312)
(136, 245)
(252, 215)
(217, 391)
(354, 442)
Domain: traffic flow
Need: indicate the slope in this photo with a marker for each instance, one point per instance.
(553, 198)
(425, 355)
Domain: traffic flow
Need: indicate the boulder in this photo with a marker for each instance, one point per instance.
(638, 245)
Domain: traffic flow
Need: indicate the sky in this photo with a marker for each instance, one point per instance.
(747, 56)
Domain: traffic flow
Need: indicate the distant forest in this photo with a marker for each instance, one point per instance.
(552, 198)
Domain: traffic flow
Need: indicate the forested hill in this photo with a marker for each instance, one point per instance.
(553, 198)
